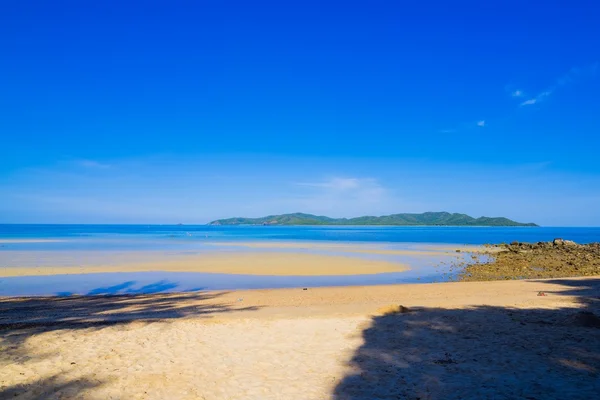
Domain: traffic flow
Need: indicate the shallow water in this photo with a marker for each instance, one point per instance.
(81, 245)
(164, 282)
(425, 266)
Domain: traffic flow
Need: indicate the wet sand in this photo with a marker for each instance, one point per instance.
(424, 250)
(510, 339)
(283, 264)
(247, 258)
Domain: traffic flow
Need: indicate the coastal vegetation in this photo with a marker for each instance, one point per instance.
(405, 219)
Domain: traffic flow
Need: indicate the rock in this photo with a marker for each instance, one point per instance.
(553, 259)
(393, 309)
(562, 242)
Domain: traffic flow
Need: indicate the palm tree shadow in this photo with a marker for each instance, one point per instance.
(481, 352)
(128, 288)
(23, 318)
(46, 388)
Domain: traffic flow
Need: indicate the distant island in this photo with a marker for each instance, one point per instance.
(424, 219)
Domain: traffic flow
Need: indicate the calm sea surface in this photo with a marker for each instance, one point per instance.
(141, 236)
(75, 245)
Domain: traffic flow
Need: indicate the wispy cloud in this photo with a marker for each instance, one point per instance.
(92, 164)
(338, 183)
(537, 98)
(514, 91)
(574, 75)
(344, 195)
(529, 102)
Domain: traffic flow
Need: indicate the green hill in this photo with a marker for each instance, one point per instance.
(427, 219)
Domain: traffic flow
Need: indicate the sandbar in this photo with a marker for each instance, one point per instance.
(283, 264)
(419, 250)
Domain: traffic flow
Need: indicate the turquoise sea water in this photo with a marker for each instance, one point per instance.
(72, 245)
(107, 237)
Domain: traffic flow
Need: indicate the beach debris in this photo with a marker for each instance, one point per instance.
(542, 294)
(305, 288)
(240, 299)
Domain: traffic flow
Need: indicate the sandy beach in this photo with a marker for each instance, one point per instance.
(510, 339)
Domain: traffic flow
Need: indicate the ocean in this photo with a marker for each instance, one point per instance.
(140, 236)
(45, 246)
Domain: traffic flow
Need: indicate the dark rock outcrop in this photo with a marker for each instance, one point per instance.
(558, 258)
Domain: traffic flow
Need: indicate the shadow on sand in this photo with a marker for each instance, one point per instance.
(481, 352)
(22, 318)
(128, 288)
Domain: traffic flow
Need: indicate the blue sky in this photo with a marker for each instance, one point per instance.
(167, 112)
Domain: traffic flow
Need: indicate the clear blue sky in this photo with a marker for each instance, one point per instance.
(178, 111)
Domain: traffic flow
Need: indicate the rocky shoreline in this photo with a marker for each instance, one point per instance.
(556, 259)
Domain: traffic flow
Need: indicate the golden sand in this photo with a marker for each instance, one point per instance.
(457, 340)
(422, 250)
(300, 264)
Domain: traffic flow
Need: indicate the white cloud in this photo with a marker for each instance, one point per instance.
(481, 123)
(344, 196)
(517, 93)
(349, 187)
(575, 74)
(529, 102)
(544, 94)
(537, 98)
